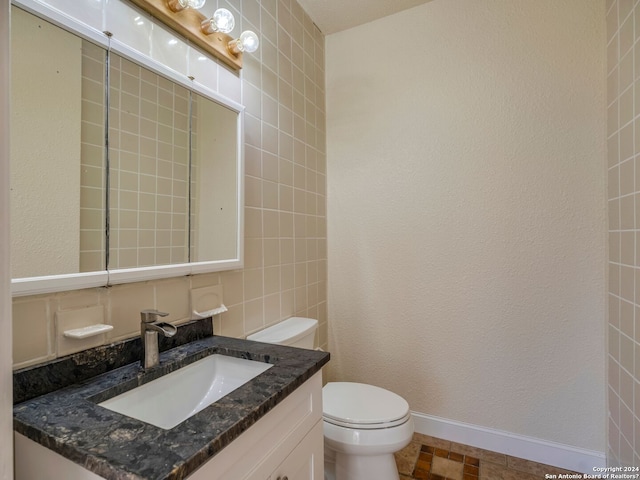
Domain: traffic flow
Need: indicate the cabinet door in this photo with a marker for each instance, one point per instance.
(306, 461)
(258, 451)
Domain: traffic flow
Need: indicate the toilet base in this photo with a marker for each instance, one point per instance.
(359, 467)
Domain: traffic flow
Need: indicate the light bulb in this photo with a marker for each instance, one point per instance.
(222, 21)
(248, 42)
(196, 4)
(177, 5)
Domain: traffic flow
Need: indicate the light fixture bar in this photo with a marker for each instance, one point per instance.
(188, 23)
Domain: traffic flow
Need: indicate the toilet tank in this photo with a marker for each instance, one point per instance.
(294, 332)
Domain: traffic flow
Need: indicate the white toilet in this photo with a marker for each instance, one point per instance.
(363, 425)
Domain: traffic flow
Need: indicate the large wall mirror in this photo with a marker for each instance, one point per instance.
(119, 173)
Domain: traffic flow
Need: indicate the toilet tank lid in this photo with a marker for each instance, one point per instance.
(286, 332)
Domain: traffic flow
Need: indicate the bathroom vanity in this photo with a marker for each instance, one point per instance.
(268, 428)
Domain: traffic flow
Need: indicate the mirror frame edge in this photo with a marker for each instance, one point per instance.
(21, 287)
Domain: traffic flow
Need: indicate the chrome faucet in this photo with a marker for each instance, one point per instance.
(149, 329)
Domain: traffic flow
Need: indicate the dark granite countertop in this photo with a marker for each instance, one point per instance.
(68, 420)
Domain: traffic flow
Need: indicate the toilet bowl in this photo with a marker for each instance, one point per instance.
(363, 425)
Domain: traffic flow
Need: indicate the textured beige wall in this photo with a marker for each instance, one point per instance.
(6, 396)
(285, 211)
(466, 212)
(623, 124)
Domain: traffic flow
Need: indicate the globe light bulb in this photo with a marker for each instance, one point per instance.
(195, 4)
(222, 21)
(177, 5)
(248, 42)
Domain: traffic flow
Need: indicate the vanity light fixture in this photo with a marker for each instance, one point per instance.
(209, 34)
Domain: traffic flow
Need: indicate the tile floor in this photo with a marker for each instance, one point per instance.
(429, 458)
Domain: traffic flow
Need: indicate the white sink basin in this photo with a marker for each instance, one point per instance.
(171, 399)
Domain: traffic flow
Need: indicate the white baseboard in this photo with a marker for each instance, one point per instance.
(541, 451)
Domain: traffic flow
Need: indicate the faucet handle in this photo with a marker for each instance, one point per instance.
(151, 315)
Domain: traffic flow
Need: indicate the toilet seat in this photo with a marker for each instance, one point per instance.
(361, 406)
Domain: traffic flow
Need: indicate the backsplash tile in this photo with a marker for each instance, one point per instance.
(32, 331)
(125, 304)
(170, 298)
(31, 382)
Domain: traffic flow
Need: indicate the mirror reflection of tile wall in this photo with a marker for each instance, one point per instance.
(148, 168)
(92, 204)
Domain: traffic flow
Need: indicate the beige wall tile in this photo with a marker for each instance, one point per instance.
(287, 277)
(32, 331)
(627, 275)
(627, 212)
(253, 315)
(125, 304)
(627, 177)
(626, 393)
(270, 195)
(300, 250)
(286, 198)
(172, 297)
(70, 319)
(272, 280)
(287, 307)
(614, 373)
(232, 322)
(300, 274)
(233, 287)
(286, 224)
(252, 223)
(205, 280)
(271, 252)
(301, 299)
(286, 171)
(272, 309)
(253, 192)
(613, 339)
(253, 254)
(253, 285)
(627, 247)
(626, 318)
(271, 222)
(614, 214)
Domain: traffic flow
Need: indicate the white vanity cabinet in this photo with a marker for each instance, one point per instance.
(305, 461)
(285, 444)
